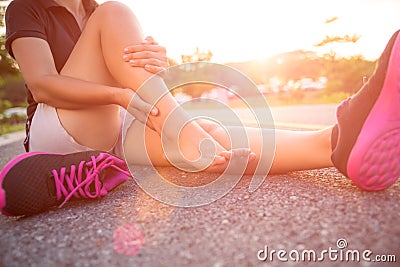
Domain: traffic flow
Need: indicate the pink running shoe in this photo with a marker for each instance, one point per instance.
(36, 181)
(366, 141)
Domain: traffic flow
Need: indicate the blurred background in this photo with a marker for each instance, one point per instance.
(296, 52)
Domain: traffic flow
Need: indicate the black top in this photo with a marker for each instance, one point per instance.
(47, 20)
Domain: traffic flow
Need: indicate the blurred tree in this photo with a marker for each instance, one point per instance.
(332, 39)
(196, 89)
(347, 74)
(7, 64)
(339, 39)
(288, 66)
(12, 86)
(197, 56)
(5, 104)
(172, 62)
(344, 74)
(13, 89)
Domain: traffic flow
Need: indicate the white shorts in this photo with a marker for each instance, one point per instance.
(47, 134)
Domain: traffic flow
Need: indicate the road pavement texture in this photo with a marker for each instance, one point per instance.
(299, 212)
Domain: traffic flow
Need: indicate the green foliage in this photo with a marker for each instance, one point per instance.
(4, 104)
(191, 72)
(12, 86)
(13, 90)
(7, 64)
(6, 128)
(3, 6)
(346, 74)
(339, 39)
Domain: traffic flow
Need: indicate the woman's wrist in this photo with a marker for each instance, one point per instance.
(121, 96)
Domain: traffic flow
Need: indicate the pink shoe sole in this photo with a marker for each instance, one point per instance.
(374, 162)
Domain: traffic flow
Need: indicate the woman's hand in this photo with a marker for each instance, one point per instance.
(137, 106)
(149, 55)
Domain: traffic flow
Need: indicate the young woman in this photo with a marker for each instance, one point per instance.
(70, 53)
(80, 87)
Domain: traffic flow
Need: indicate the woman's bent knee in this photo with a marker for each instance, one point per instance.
(114, 16)
(112, 10)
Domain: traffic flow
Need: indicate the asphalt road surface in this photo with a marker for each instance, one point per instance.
(306, 218)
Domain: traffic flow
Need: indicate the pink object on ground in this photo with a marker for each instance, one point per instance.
(128, 240)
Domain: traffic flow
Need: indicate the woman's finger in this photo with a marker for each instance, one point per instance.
(151, 61)
(144, 47)
(142, 106)
(142, 55)
(139, 115)
(150, 40)
(147, 55)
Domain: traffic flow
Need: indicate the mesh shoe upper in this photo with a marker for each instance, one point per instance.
(35, 182)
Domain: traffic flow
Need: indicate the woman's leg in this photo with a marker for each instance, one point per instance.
(295, 150)
(97, 57)
(302, 150)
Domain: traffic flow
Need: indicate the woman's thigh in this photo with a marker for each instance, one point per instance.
(86, 60)
(96, 126)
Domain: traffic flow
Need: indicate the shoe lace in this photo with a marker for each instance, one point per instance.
(83, 180)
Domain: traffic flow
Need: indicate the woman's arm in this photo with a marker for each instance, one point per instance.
(37, 66)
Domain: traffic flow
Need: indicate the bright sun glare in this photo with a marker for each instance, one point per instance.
(257, 29)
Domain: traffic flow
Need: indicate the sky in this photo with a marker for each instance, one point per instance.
(240, 30)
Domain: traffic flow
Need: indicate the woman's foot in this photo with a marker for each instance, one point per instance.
(194, 150)
(199, 149)
(366, 141)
